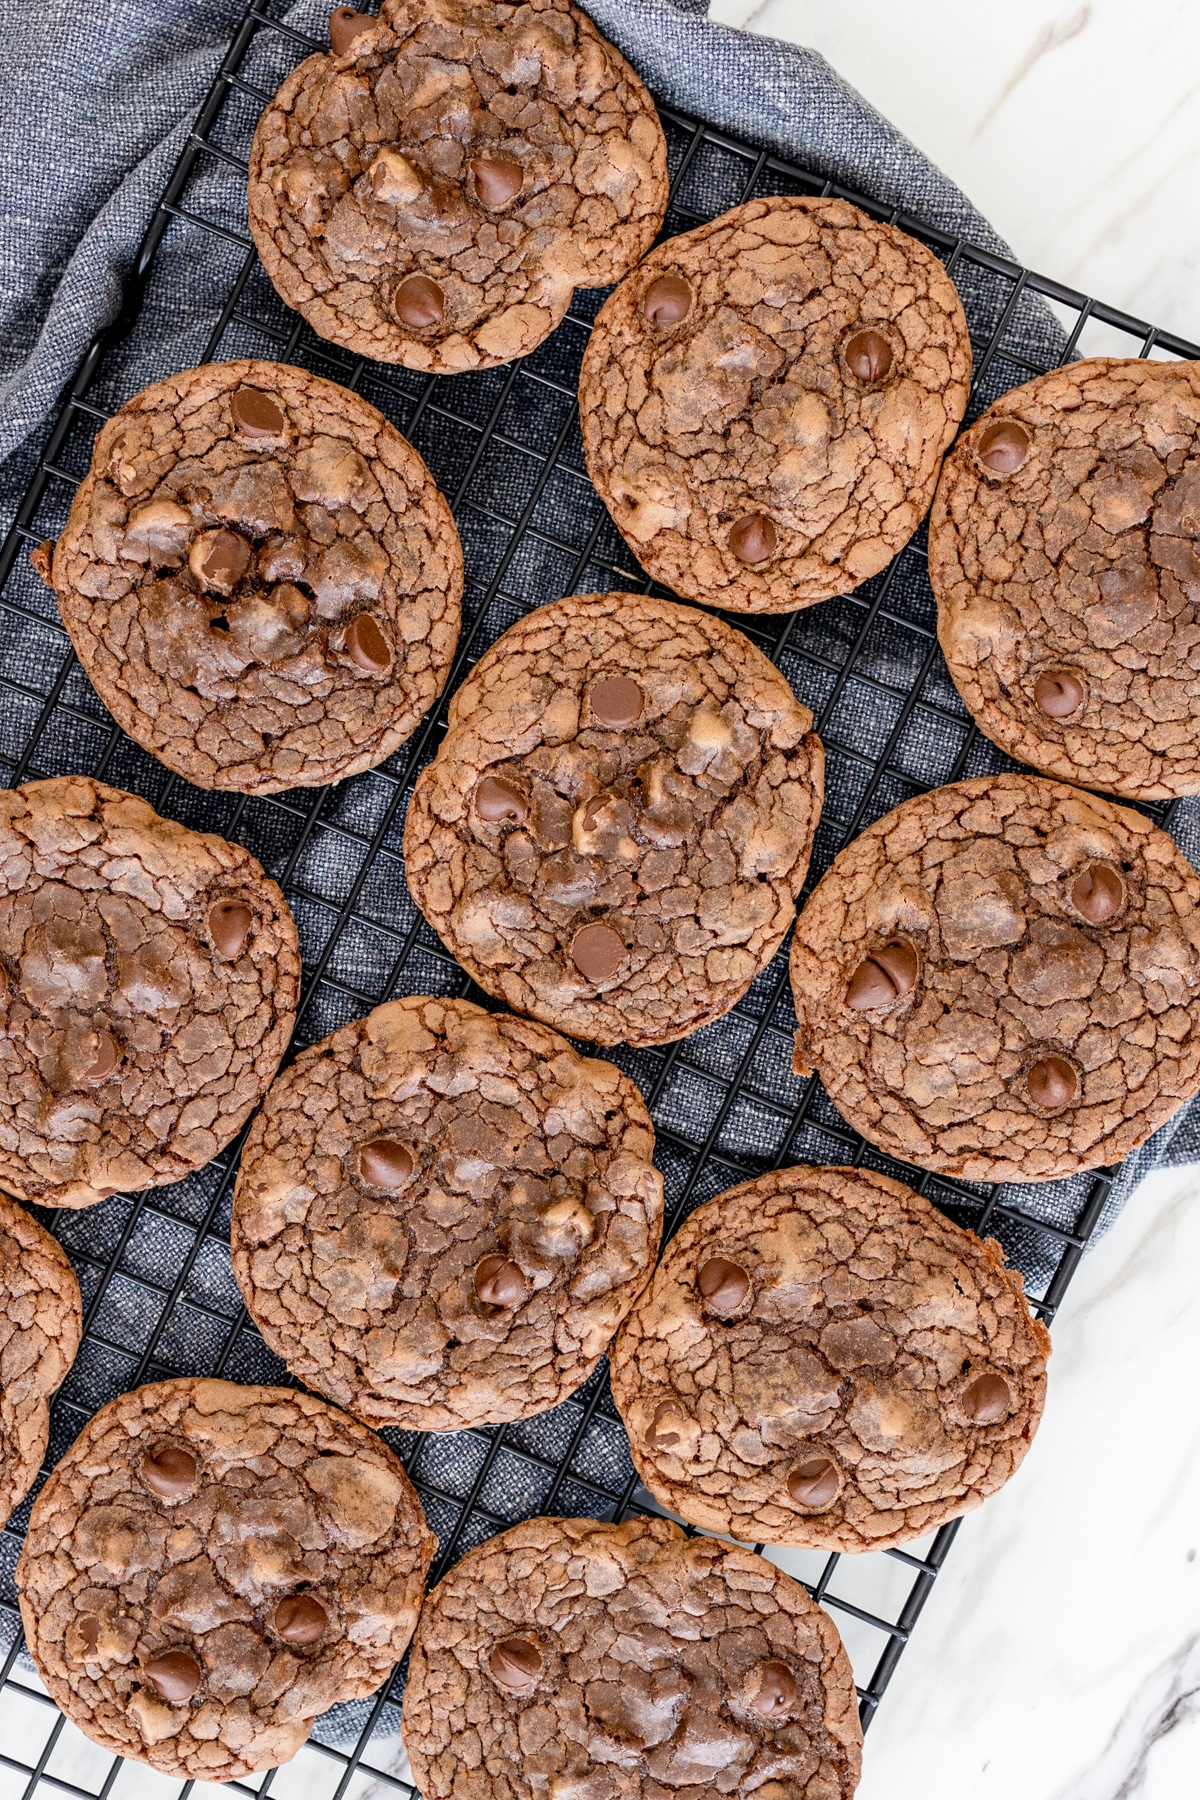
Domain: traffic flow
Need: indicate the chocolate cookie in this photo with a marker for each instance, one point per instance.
(442, 1215)
(210, 1567)
(40, 1322)
(260, 578)
(1001, 980)
(1064, 550)
(823, 1359)
(432, 191)
(766, 400)
(626, 1662)
(619, 819)
(148, 985)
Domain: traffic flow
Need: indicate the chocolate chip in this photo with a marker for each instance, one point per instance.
(419, 303)
(1052, 1083)
(386, 1163)
(500, 1283)
(773, 1689)
(723, 1284)
(753, 539)
(616, 702)
(814, 1482)
(300, 1619)
(367, 647)
(869, 357)
(219, 559)
(1098, 893)
(665, 1428)
(515, 1663)
(597, 952)
(883, 977)
(89, 1632)
(667, 300)
(345, 25)
(592, 809)
(175, 1673)
(255, 414)
(497, 799)
(1058, 695)
(106, 1059)
(987, 1399)
(1003, 447)
(229, 923)
(169, 1471)
(498, 179)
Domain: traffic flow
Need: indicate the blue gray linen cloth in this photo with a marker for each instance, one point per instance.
(96, 101)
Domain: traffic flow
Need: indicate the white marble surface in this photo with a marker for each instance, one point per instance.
(1074, 125)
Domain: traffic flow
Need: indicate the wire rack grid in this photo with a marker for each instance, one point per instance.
(504, 445)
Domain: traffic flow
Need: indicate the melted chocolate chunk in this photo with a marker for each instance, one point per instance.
(1098, 893)
(773, 1689)
(420, 303)
(597, 952)
(300, 1619)
(516, 1664)
(723, 1284)
(1058, 695)
(501, 1283)
(1004, 447)
(175, 1674)
(106, 1060)
(498, 179)
(753, 540)
(883, 977)
(815, 1482)
(667, 1428)
(367, 647)
(170, 1471)
(229, 925)
(1052, 1083)
(497, 799)
(667, 300)
(987, 1399)
(617, 702)
(869, 357)
(386, 1163)
(255, 414)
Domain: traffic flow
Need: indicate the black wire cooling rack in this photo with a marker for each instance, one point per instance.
(504, 445)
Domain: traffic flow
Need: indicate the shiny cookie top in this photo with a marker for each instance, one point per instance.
(433, 190)
(1001, 980)
(822, 1358)
(260, 577)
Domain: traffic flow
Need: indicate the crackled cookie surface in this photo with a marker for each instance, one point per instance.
(148, 985)
(442, 1215)
(1064, 549)
(40, 1321)
(766, 400)
(822, 1358)
(432, 191)
(211, 1566)
(1001, 980)
(619, 819)
(260, 578)
(622, 1662)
